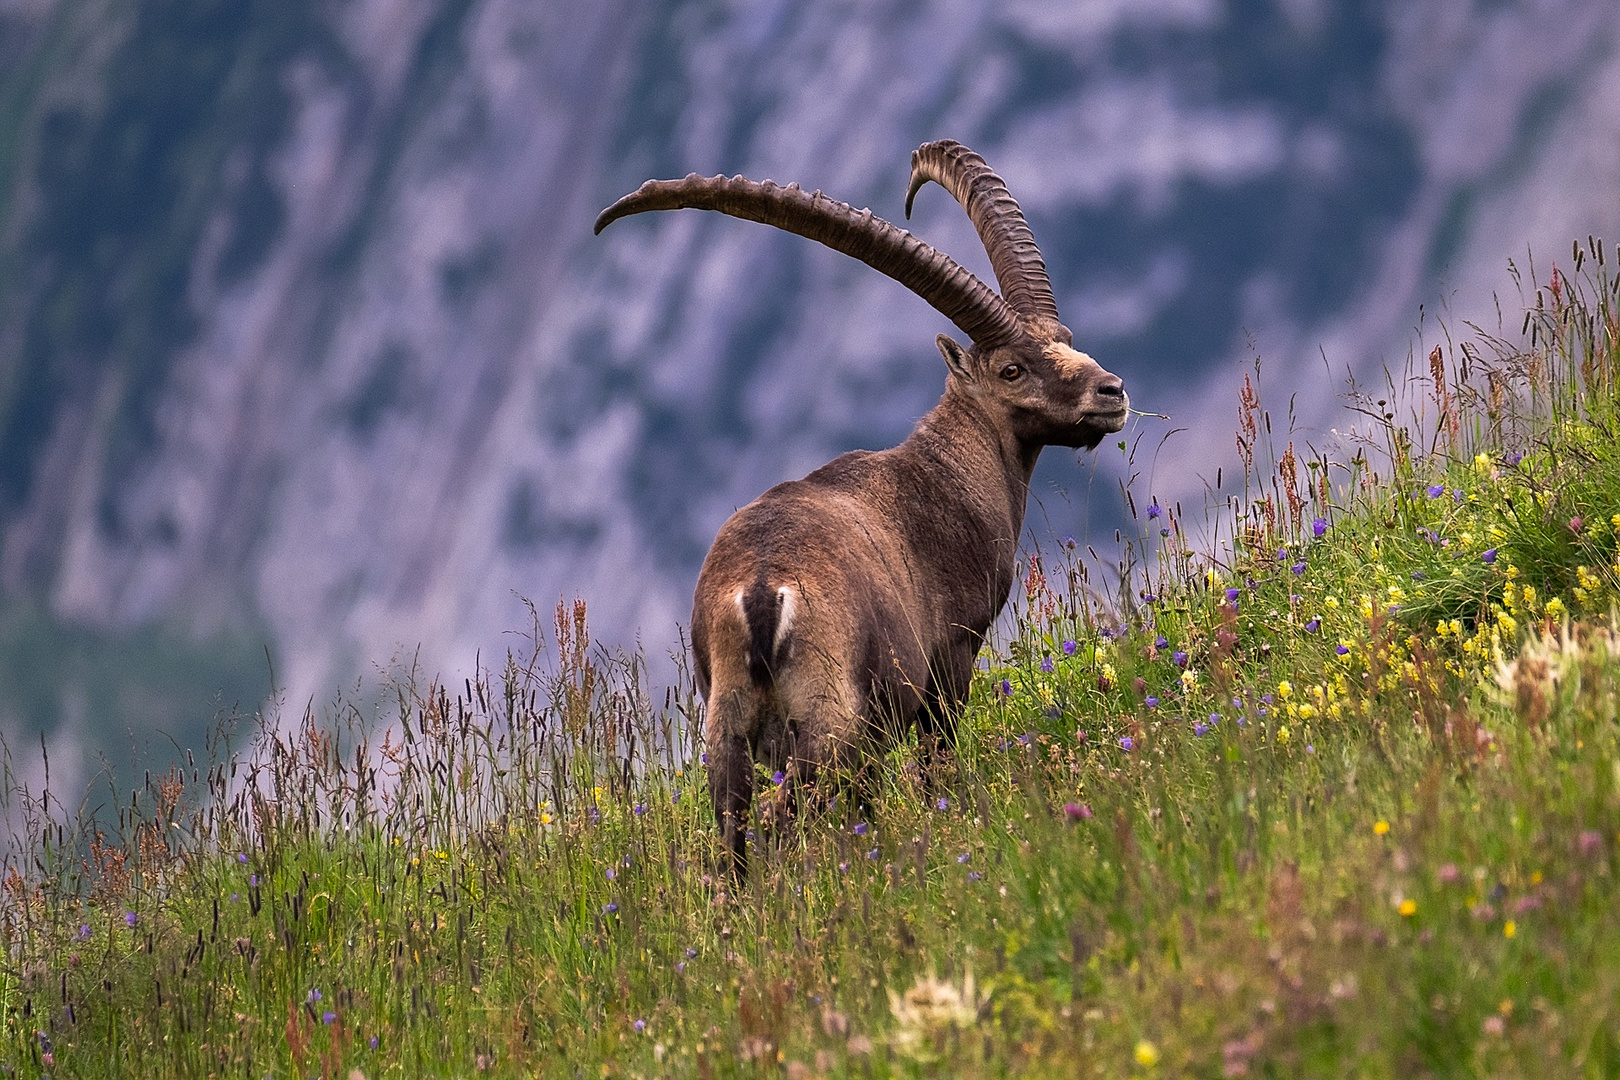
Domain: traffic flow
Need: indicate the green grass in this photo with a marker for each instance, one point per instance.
(1360, 819)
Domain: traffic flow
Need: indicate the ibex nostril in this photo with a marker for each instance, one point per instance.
(1113, 388)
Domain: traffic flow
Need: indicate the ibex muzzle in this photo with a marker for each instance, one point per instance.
(834, 611)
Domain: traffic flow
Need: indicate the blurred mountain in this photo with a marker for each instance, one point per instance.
(309, 362)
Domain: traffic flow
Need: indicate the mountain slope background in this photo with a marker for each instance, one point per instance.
(310, 364)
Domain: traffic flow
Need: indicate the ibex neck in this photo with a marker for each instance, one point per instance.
(993, 466)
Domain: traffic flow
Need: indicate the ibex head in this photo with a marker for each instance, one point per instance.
(834, 611)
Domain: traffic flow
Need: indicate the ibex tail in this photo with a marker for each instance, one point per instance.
(768, 615)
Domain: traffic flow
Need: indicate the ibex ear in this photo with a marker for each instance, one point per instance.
(956, 357)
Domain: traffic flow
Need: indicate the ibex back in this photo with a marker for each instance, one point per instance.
(835, 611)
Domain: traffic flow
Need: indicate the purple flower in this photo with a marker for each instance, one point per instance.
(861, 828)
(609, 908)
(639, 809)
(1148, 598)
(1231, 594)
(1436, 490)
(691, 954)
(703, 758)
(241, 857)
(1069, 647)
(328, 1016)
(1200, 729)
(235, 897)
(1342, 649)
(777, 777)
(873, 854)
(974, 875)
(1151, 702)
(680, 967)
(1309, 749)
(1153, 511)
(1164, 532)
(313, 996)
(1068, 542)
(1006, 688)
(611, 873)
(1161, 642)
(1266, 698)
(374, 1042)
(1313, 625)
(843, 868)
(1126, 743)
(640, 1026)
(1023, 740)
(942, 804)
(84, 931)
(1319, 527)
(1299, 567)
(130, 919)
(1178, 658)
(1077, 811)
(253, 880)
(964, 857)
(1282, 554)
(1214, 718)
(1489, 555)
(1046, 664)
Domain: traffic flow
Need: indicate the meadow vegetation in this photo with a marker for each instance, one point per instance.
(1341, 797)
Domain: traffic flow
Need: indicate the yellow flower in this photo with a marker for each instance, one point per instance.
(1331, 603)
(1408, 908)
(1306, 711)
(1381, 827)
(1510, 928)
(545, 817)
(1282, 734)
(1535, 877)
(440, 855)
(1284, 689)
(1147, 1055)
(1482, 464)
(1555, 607)
(1189, 678)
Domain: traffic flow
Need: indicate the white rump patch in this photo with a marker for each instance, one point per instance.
(784, 620)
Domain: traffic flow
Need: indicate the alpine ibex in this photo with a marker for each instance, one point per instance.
(834, 611)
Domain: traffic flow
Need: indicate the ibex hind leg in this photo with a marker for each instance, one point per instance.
(937, 719)
(731, 772)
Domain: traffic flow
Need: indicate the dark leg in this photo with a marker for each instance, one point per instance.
(731, 789)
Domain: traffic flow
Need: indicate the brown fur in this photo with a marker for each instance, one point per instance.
(898, 562)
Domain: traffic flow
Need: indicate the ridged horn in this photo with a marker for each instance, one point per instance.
(973, 306)
(1019, 268)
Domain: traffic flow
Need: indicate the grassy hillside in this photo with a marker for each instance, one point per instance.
(1343, 801)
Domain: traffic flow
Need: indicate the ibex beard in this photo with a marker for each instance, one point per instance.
(835, 612)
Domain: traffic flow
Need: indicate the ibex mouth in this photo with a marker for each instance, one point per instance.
(1109, 420)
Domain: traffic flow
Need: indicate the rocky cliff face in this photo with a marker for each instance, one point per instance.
(305, 340)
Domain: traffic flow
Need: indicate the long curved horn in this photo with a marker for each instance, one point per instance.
(954, 292)
(1019, 268)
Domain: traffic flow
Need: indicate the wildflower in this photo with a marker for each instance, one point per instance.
(640, 1026)
(1231, 595)
(374, 1042)
(1189, 679)
(1489, 555)
(703, 758)
(1164, 532)
(1299, 567)
(1575, 524)
(639, 809)
(1482, 464)
(1151, 702)
(1448, 874)
(1147, 1055)
(242, 857)
(1068, 542)
(1148, 598)
(1200, 729)
(1179, 658)
(1153, 511)
(129, 919)
(328, 1016)
(777, 777)
(1161, 642)
(1075, 811)
(1285, 689)
(966, 855)
(609, 908)
(1046, 664)
(1343, 649)
(1313, 625)
(1555, 607)
(253, 880)
(1068, 648)
(1381, 827)
(974, 875)
(1510, 928)
(1589, 842)
(1215, 717)
(1436, 490)
(1408, 908)
(84, 931)
(942, 804)
(861, 828)
(1319, 527)
(873, 854)
(680, 967)
(313, 996)
(1006, 688)
(1126, 743)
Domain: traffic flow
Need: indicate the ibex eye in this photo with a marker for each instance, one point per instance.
(1011, 372)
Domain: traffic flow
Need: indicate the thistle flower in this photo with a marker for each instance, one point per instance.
(1153, 511)
(1076, 811)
